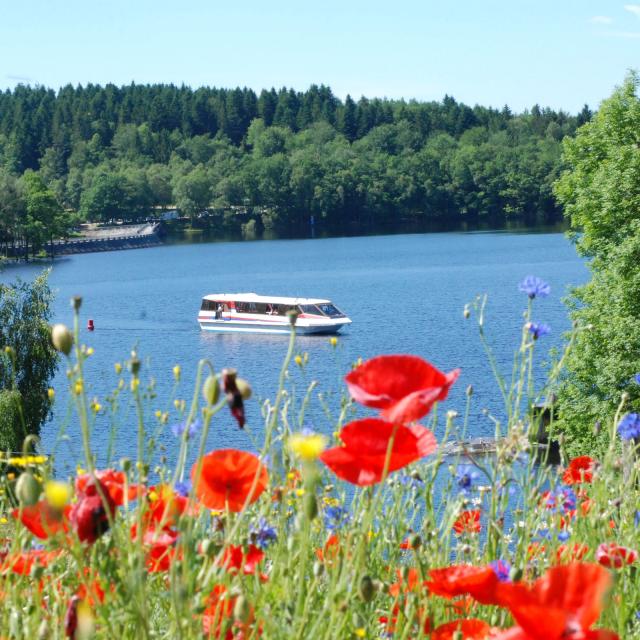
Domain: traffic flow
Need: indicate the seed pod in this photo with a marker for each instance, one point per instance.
(76, 303)
(211, 390)
(61, 338)
(28, 489)
(366, 589)
(318, 569)
(515, 575)
(242, 610)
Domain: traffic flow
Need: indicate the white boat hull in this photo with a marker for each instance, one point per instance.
(256, 326)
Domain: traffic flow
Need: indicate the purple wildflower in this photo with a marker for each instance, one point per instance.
(629, 426)
(335, 517)
(502, 569)
(538, 329)
(466, 474)
(182, 488)
(563, 498)
(263, 533)
(534, 286)
(191, 428)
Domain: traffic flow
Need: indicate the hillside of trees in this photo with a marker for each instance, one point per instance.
(101, 153)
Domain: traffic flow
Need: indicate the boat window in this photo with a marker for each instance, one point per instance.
(208, 305)
(310, 309)
(330, 310)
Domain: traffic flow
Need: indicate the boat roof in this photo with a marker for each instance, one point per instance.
(254, 297)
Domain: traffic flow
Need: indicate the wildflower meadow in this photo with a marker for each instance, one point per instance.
(375, 530)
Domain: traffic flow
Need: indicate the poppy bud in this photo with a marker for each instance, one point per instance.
(310, 506)
(469, 390)
(515, 575)
(234, 396)
(292, 314)
(211, 390)
(318, 569)
(242, 610)
(134, 363)
(76, 303)
(28, 489)
(415, 541)
(466, 313)
(457, 635)
(61, 338)
(71, 618)
(244, 388)
(366, 589)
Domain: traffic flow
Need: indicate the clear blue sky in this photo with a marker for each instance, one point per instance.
(558, 53)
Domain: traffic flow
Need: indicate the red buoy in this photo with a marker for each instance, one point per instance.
(90, 326)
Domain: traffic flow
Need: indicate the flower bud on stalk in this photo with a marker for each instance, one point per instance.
(242, 610)
(76, 303)
(366, 589)
(61, 338)
(310, 504)
(28, 489)
(211, 390)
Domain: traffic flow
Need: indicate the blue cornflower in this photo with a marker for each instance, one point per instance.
(538, 329)
(534, 286)
(182, 488)
(502, 569)
(563, 536)
(545, 534)
(191, 428)
(636, 519)
(465, 476)
(335, 517)
(413, 479)
(637, 378)
(263, 533)
(563, 498)
(629, 426)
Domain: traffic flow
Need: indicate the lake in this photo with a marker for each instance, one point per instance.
(404, 293)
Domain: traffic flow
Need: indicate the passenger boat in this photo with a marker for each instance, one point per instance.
(251, 313)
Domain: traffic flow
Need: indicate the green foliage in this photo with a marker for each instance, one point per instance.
(31, 361)
(11, 432)
(601, 195)
(123, 152)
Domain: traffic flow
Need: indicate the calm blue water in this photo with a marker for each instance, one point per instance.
(404, 293)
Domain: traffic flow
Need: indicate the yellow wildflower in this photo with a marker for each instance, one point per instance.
(158, 414)
(95, 405)
(135, 383)
(51, 394)
(57, 493)
(121, 384)
(153, 496)
(360, 632)
(90, 351)
(298, 360)
(78, 387)
(333, 341)
(176, 373)
(80, 471)
(11, 476)
(307, 447)
(3, 520)
(300, 492)
(118, 367)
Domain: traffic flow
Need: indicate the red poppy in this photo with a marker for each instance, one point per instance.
(114, 482)
(568, 553)
(92, 514)
(162, 550)
(43, 520)
(471, 629)
(468, 522)
(235, 559)
(612, 555)
(372, 446)
(217, 619)
(410, 582)
(330, 550)
(481, 583)
(164, 506)
(229, 479)
(562, 604)
(22, 563)
(404, 387)
(580, 469)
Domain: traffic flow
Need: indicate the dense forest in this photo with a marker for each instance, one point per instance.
(281, 157)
